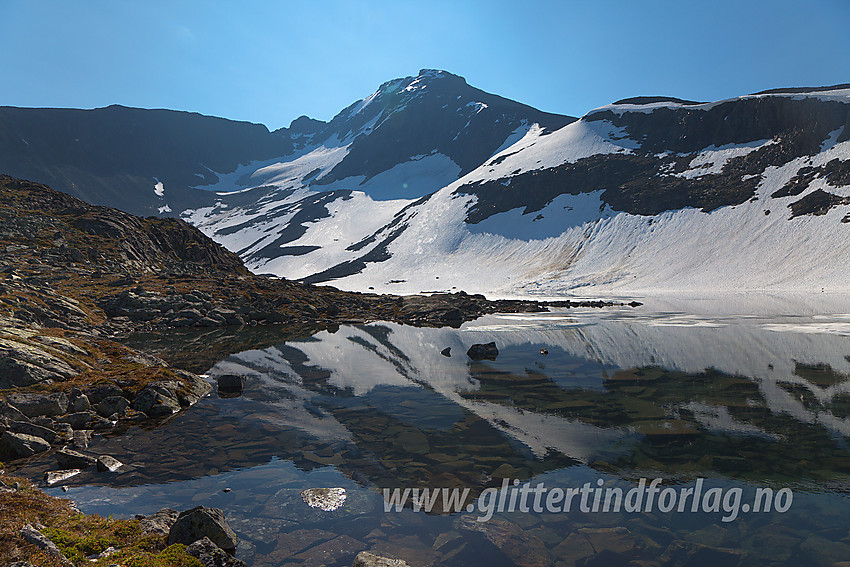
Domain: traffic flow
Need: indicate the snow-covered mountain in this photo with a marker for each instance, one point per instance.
(308, 211)
(644, 194)
(430, 184)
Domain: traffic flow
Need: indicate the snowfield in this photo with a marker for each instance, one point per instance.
(373, 235)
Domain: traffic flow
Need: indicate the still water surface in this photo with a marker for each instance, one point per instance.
(741, 395)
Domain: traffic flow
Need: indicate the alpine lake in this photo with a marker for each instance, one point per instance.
(740, 394)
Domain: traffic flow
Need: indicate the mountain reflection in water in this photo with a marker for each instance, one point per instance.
(622, 394)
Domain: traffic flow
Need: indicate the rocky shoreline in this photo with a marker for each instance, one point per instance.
(78, 279)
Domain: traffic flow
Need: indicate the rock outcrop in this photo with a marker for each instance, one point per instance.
(202, 522)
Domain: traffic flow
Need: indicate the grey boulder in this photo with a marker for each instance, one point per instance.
(32, 405)
(21, 445)
(208, 553)
(200, 522)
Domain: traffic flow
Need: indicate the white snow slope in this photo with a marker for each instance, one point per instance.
(576, 244)
(579, 245)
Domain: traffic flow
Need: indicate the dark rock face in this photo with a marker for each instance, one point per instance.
(447, 115)
(483, 351)
(688, 130)
(114, 156)
(201, 522)
(109, 156)
(818, 202)
(645, 182)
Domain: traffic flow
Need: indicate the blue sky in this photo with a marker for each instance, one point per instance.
(272, 61)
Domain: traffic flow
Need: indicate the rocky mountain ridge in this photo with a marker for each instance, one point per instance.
(429, 184)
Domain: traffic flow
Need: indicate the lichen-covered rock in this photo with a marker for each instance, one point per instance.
(327, 499)
(33, 404)
(22, 364)
(55, 477)
(38, 539)
(11, 412)
(70, 459)
(106, 463)
(29, 428)
(208, 553)
(81, 438)
(193, 388)
(79, 420)
(21, 445)
(159, 523)
(78, 403)
(366, 559)
(200, 522)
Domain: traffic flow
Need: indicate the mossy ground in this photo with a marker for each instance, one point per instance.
(78, 535)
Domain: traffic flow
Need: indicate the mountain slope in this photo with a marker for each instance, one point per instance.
(431, 184)
(305, 212)
(142, 161)
(652, 194)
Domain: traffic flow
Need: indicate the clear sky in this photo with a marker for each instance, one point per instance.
(272, 61)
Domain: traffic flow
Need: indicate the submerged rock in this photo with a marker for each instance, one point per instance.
(523, 549)
(483, 351)
(331, 552)
(366, 559)
(230, 385)
(327, 499)
(200, 522)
